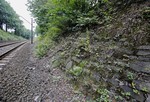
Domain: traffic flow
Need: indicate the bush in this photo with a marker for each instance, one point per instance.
(86, 21)
(45, 41)
(41, 49)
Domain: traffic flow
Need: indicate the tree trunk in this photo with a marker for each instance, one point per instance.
(6, 28)
(1, 26)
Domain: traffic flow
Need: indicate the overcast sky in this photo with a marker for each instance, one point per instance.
(21, 9)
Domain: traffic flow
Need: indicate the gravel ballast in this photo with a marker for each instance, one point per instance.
(28, 79)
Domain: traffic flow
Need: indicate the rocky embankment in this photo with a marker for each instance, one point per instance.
(134, 79)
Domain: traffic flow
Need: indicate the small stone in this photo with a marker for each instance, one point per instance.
(76, 59)
(2, 64)
(121, 83)
(148, 98)
(37, 99)
(113, 82)
(48, 100)
(96, 76)
(69, 64)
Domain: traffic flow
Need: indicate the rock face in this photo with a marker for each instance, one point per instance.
(144, 47)
(148, 99)
(144, 53)
(133, 76)
(142, 64)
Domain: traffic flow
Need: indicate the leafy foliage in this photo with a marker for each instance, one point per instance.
(11, 19)
(56, 18)
(66, 14)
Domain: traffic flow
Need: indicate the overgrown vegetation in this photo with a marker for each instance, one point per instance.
(95, 39)
(4, 36)
(57, 18)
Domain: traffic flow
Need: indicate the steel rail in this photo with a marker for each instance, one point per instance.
(7, 44)
(10, 50)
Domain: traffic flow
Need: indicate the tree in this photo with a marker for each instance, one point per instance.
(11, 19)
(66, 15)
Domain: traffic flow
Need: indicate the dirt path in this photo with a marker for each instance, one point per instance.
(28, 79)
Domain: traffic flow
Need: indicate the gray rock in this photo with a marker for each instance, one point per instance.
(76, 59)
(148, 98)
(144, 47)
(121, 51)
(47, 100)
(140, 66)
(143, 53)
(133, 57)
(143, 59)
(138, 97)
(96, 76)
(69, 64)
(143, 86)
(113, 82)
(37, 99)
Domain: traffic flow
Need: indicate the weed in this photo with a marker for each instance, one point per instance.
(130, 75)
(118, 98)
(126, 93)
(104, 95)
(76, 70)
(145, 89)
(41, 49)
(136, 91)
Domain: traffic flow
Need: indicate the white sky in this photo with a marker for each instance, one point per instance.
(21, 9)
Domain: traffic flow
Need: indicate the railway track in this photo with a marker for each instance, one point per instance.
(6, 49)
(7, 43)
